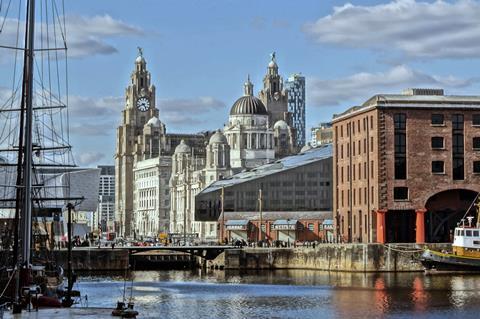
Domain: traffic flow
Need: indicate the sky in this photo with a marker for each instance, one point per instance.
(200, 52)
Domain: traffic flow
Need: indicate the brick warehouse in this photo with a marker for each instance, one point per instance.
(406, 166)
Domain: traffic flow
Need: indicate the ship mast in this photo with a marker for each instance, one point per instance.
(27, 97)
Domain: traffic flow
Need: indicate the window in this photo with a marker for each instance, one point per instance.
(437, 119)
(437, 142)
(437, 167)
(476, 167)
(457, 121)
(400, 193)
(458, 147)
(310, 227)
(400, 121)
(476, 119)
(400, 147)
(476, 143)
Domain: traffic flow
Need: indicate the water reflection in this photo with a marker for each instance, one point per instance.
(290, 294)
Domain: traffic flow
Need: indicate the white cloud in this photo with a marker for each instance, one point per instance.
(89, 158)
(96, 108)
(187, 112)
(418, 29)
(88, 35)
(359, 86)
(85, 36)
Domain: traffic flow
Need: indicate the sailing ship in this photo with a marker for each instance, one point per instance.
(465, 254)
(35, 154)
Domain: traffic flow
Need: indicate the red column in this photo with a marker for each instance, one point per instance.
(420, 226)
(381, 229)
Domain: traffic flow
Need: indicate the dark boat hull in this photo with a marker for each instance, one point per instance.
(434, 261)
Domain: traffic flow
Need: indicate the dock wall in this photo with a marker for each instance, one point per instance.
(332, 257)
(94, 259)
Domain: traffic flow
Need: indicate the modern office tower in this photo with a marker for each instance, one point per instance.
(295, 85)
(106, 198)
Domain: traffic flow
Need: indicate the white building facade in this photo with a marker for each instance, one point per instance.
(151, 197)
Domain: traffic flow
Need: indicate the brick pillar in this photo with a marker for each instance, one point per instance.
(381, 229)
(420, 226)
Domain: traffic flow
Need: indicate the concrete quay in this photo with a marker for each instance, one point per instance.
(332, 257)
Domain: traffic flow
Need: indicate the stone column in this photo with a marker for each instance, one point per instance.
(381, 228)
(420, 226)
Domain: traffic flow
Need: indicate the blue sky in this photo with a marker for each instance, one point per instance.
(200, 52)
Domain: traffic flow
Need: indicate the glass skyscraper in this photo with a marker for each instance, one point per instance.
(296, 105)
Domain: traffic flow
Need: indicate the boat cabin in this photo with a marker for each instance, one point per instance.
(466, 241)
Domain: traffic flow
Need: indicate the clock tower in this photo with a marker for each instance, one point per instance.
(273, 95)
(138, 110)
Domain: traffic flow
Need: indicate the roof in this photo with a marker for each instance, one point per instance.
(218, 138)
(411, 100)
(311, 156)
(276, 215)
(285, 222)
(248, 104)
(182, 148)
(235, 222)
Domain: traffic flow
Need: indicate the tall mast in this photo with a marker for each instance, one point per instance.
(27, 164)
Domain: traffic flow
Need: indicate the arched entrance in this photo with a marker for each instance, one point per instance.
(444, 211)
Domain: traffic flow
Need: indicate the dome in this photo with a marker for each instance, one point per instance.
(248, 104)
(218, 138)
(140, 59)
(272, 64)
(305, 148)
(154, 121)
(182, 148)
(281, 124)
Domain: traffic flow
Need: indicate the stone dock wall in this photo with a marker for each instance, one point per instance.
(94, 259)
(332, 257)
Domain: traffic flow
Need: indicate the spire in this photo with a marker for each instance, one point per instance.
(248, 86)
(140, 59)
(272, 66)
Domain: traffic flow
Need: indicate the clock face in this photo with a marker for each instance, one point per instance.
(276, 96)
(143, 104)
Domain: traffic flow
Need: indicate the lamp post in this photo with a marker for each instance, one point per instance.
(288, 231)
(222, 198)
(260, 211)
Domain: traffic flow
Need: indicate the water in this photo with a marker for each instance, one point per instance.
(289, 294)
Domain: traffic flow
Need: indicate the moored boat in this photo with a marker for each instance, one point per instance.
(465, 253)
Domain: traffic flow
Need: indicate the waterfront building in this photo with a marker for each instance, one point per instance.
(151, 197)
(275, 99)
(190, 175)
(287, 227)
(322, 134)
(142, 136)
(248, 132)
(295, 86)
(297, 183)
(105, 214)
(407, 166)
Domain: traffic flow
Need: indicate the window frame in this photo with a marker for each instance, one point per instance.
(476, 140)
(476, 171)
(396, 198)
(434, 123)
(438, 172)
(476, 119)
(436, 138)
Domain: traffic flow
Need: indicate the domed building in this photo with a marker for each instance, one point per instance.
(248, 132)
(190, 175)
